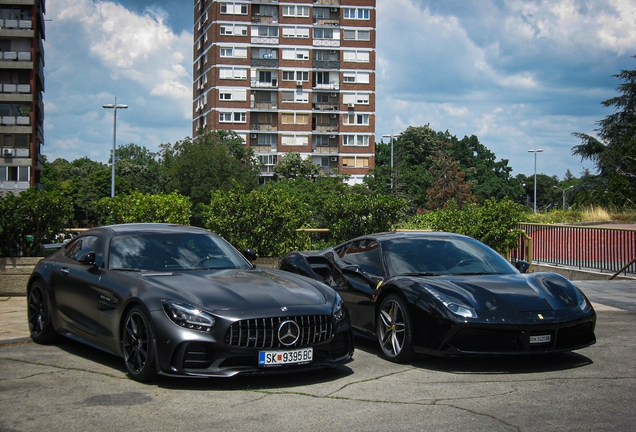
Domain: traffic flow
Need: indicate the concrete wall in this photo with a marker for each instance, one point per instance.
(14, 275)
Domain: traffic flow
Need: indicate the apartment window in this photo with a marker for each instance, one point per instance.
(295, 11)
(356, 98)
(356, 119)
(234, 52)
(322, 98)
(294, 140)
(356, 56)
(267, 140)
(295, 96)
(294, 118)
(322, 13)
(233, 94)
(265, 31)
(320, 140)
(325, 55)
(355, 140)
(356, 13)
(232, 117)
(295, 76)
(360, 35)
(11, 173)
(356, 77)
(233, 30)
(296, 32)
(232, 73)
(295, 54)
(355, 162)
(321, 78)
(324, 33)
(233, 8)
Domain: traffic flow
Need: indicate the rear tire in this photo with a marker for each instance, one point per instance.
(39, 314)
(139, 346)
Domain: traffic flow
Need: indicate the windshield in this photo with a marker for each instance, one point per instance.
(174, 251)
(443, 256)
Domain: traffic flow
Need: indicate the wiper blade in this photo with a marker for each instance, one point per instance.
(419, 274)
(470, 274)
(127, 269)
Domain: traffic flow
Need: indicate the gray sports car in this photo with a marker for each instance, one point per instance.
(177, 300)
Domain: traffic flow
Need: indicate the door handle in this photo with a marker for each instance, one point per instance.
(65, 271)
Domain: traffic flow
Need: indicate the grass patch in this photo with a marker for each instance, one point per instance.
(589, 214)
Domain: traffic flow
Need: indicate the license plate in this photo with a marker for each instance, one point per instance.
(279, 358)
(540, 339)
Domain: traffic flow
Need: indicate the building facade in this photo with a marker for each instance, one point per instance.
(21, 90)
(289, 76)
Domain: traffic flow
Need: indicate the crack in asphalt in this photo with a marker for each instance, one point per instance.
(60, 368)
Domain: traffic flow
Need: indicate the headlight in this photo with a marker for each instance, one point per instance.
(580, 299)
(187, 316)
(456, 308)
(338, 312)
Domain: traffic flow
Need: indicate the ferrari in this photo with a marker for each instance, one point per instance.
(437, 293)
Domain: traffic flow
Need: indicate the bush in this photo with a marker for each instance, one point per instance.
(493, 223)
(31, 219)
(140, 208)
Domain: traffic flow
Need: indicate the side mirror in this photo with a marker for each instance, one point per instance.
(86, 257)
(522, 265)
(249, 254)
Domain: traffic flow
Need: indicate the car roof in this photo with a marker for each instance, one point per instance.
(147, 228)
(392, 235)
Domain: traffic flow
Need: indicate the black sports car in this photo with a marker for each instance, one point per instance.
(447, 294)
(179, 300)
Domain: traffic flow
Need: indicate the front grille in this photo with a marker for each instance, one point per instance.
(263, 332)
(198, 355)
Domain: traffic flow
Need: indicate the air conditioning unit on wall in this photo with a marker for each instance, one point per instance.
(334, 158)
(252, 135)
(351, 105)
(7, 152)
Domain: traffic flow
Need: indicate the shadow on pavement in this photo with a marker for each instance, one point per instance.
(489, 365)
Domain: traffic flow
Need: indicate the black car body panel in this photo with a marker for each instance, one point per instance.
(501, 311)
(91, 296)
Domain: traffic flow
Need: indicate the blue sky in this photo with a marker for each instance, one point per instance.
(518, 74)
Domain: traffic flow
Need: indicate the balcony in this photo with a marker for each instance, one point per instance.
(265, 40)
(9, 24)
(15, 55)
(326, 149)
(262, 148)
(327, 42)
(263, 105)
(264, 127)
(15, 120)
(327, 2)
(326, 64)
(327, 21)
(334, 85)
(264, 19)
(273, 83)
(268, 63)
(15, 88)
(325, 107)
(326, 128)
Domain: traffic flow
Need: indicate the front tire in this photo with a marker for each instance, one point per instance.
(139, 346)
(394, 330)
(39, 314)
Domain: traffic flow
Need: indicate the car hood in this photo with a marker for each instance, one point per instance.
(535, 292)
(239, 289)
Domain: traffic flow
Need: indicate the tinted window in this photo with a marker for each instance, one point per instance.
(443, 256)
(159, 251)
(366, 255)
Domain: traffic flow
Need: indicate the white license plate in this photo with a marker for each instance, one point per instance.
(276, 358)
(540, 339)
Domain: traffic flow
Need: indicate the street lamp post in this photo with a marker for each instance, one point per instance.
(391, 137)
(563, 190)
(535, 151)
(114, 107)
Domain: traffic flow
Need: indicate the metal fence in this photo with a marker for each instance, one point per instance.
(611, 250)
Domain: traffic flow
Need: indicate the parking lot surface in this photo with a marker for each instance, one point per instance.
(70, 386)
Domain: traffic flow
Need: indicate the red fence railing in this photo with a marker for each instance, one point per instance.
(604, 249)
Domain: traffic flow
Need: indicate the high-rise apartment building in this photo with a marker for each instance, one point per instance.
(289, 75)
(21, 89)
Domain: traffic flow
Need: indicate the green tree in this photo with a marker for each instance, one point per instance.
(210, 162)
(292, 166)
(613, 152)
(140, 168)
(31, 219)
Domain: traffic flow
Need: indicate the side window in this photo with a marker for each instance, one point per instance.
(366, 255)
(80, 244)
